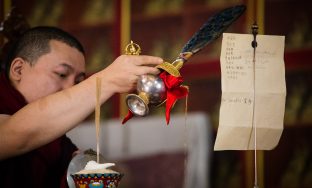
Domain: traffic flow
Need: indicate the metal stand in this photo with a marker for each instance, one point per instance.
(254, 44)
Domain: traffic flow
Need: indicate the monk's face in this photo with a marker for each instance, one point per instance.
(61, 68)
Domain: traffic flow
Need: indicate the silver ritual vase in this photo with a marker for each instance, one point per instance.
(151, 91)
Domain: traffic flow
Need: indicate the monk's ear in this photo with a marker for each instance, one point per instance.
(16, 68)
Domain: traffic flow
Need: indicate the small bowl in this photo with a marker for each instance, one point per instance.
(91, 180)
(97, 180)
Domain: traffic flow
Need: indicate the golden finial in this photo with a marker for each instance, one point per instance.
(133, 49)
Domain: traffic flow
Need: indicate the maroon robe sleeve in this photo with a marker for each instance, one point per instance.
(43, 167)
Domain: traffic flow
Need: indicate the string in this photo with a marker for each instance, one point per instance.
(185, 136)
(97, 118)
(254, 124)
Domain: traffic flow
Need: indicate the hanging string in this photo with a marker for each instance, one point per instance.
(185, 134)
(97, 118)
(254, 45)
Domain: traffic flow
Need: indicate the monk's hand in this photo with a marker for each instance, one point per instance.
(124, 72)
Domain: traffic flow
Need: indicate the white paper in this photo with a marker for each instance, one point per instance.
(252, 97)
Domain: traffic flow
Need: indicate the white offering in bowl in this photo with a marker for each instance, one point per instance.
(78, 169)
(92, 167)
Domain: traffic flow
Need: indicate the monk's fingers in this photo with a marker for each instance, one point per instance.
(144, 60)
(143, 70)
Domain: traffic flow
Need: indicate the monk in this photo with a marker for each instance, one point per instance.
(44, 93)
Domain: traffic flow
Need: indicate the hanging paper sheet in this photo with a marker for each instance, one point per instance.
(253, 93)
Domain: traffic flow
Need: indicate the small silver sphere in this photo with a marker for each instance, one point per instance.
(153, 87)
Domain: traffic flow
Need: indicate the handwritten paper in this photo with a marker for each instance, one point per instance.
(253, 93)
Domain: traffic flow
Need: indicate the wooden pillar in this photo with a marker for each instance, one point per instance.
(255, 13)
(5, 7)
(125, 34)
(122, 32)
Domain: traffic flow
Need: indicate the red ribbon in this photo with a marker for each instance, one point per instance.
(128, 116)
(174, 92)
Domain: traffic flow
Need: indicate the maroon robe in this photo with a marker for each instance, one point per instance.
(43, 167)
